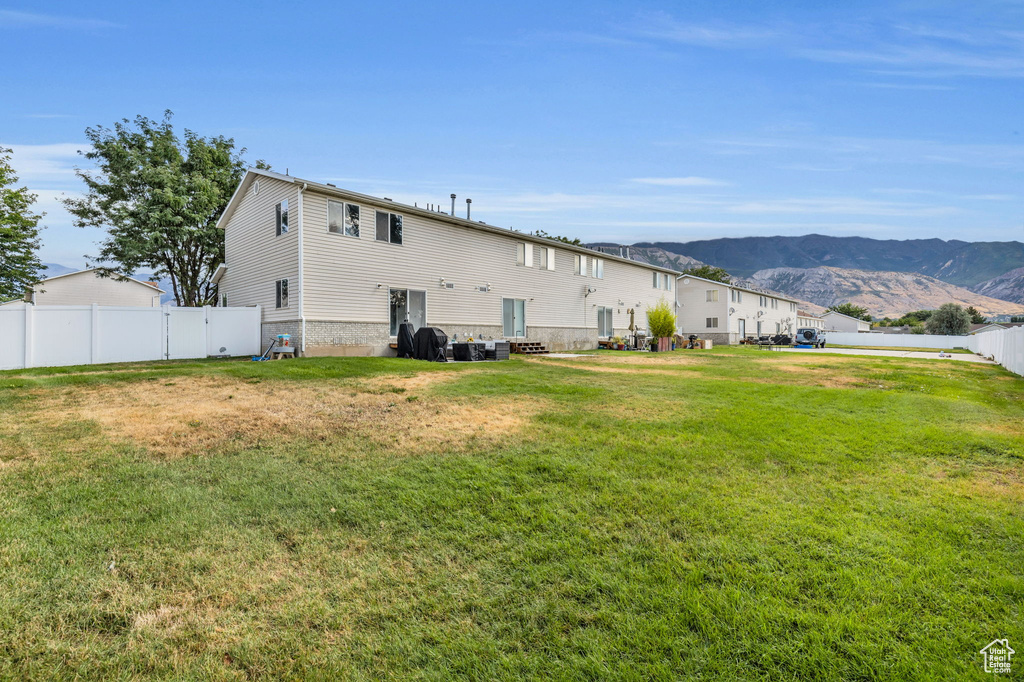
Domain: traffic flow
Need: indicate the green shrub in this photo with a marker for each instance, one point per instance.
(661, 321)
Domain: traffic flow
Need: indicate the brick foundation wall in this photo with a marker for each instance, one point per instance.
(373, 338)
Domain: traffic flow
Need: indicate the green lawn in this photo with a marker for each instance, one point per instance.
(726, 514)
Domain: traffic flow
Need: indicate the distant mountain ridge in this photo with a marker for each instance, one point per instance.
(884, 294)
(962, 263)
(1008, 286)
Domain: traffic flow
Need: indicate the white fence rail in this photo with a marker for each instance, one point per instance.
(53, 336)
(896, 340)
(1005, 346)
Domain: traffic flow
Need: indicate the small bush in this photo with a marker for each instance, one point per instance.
(661, 321)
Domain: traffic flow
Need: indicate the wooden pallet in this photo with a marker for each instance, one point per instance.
(528, 348)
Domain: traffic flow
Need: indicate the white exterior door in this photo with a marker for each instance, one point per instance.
(743, 328)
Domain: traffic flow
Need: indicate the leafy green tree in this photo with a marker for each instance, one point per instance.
(949, 319)
(919, 315)
(575, 240)
(19, 234)
(661, 321)
(976, 317)
(852, 310)
(159, 197)
(1017, 318)
(708, 272)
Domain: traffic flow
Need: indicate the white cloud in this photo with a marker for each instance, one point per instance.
(14, 18)
(690, 181)
(46, 163)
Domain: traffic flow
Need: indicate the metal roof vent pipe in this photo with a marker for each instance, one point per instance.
(453, 204)
(468, 203)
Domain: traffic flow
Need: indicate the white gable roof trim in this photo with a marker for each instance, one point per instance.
(116, 278)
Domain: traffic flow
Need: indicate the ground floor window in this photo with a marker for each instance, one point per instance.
(604, 322)
(282, 293)
(513, 317)
(407, 305)
(712, 323)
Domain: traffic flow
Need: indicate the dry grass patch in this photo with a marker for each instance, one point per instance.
(196, 414)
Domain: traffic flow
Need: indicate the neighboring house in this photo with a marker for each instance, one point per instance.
(805, 320)
(993, 326)
(726, 313)
(339, 271)
(838, 322)
(86, 287)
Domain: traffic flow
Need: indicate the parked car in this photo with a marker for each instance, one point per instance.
(809, 336)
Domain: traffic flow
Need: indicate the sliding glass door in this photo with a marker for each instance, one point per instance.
(406, 304)
(513, 317)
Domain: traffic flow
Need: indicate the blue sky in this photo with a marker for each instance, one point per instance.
(604, 120)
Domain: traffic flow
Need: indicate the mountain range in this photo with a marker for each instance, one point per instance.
(884, 294)
(888, 276)
(965, 264)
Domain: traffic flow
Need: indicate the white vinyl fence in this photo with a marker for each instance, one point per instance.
(936, 341)
(52, 336)
(1005, 346)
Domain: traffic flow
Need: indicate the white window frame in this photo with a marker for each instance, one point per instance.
(390, 215)
(597, 268)
(281, 218)
(668, 282)
(711, 323)
(279, 286)
(344, 219)
(711, 295)
(580, 264)
(656, 280)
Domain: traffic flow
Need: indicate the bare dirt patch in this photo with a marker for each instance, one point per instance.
(197, 414)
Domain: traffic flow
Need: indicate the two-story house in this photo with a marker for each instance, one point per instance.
(339, 271)
(727, 313)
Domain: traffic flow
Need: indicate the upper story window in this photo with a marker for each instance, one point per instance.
(343, 218)
(737, 296)
(524, 254)
(389, 227)
(762, 301)
(656, 280)
(282, 293)
(579, 264)
(597, 268)
(282, 218)
(668, 282)
(545, 256)
(711, 296)
(775, 303)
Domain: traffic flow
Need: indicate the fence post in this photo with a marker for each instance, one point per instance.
(209, 332)
(165, 329)
(29, 313)
(94, 345)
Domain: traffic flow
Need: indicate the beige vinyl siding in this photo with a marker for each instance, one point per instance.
(256, 257)
(342, 273)
(86, 288)
(695, 309)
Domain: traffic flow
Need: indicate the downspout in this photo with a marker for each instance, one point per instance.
(302, 275)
